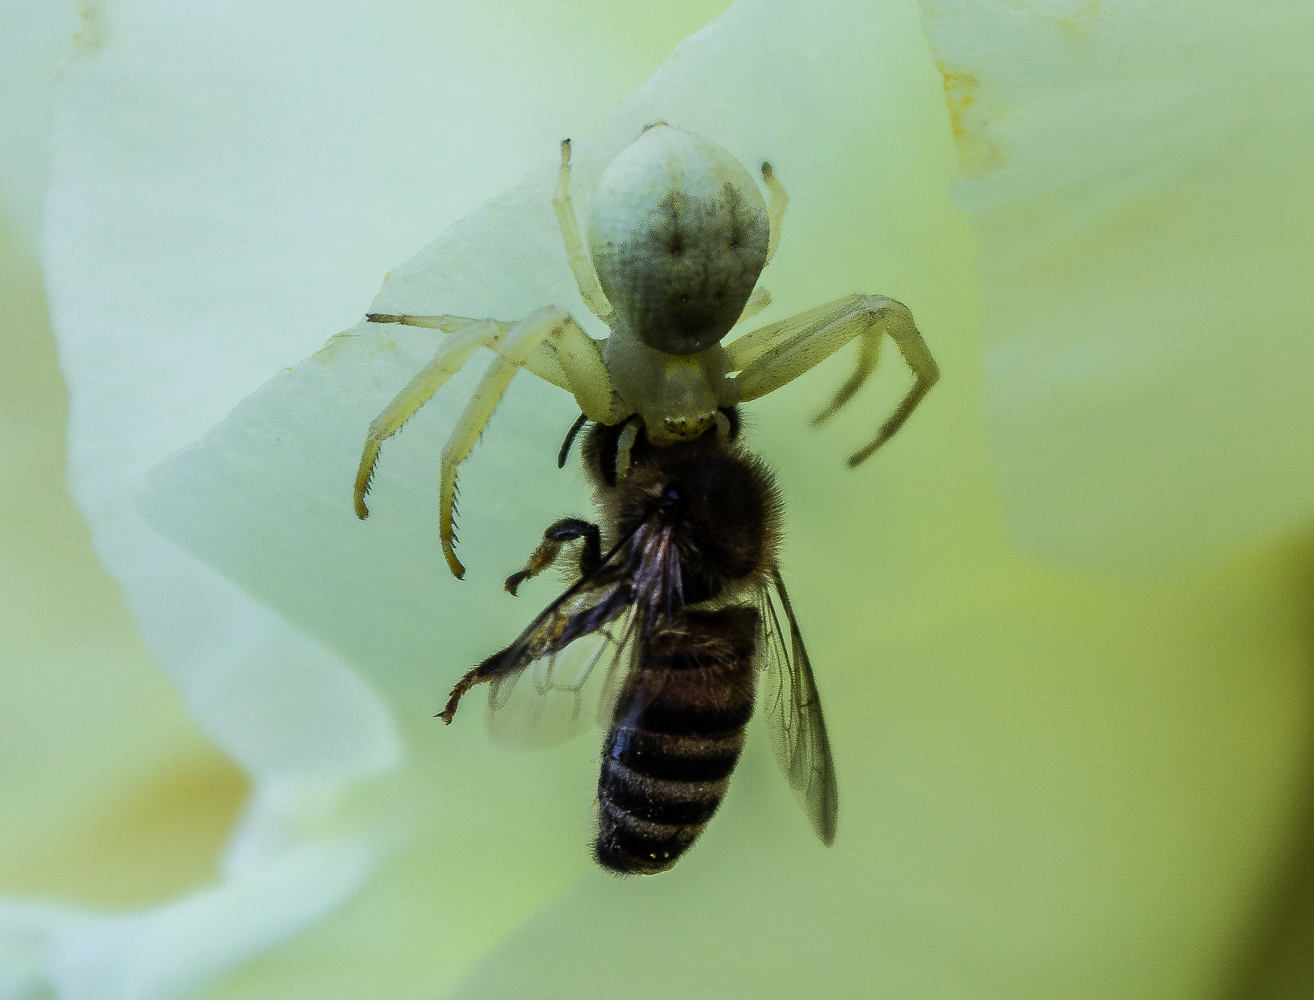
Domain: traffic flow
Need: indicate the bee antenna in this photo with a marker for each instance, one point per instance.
(570, 436)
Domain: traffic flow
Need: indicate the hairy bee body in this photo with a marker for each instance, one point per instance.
(678, 726)
(684, 596)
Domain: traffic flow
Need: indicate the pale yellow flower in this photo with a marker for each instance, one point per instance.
(1069, 691)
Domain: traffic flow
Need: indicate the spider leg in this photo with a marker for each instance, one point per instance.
(758, 301)
(466, 335)
(580, 265)
(773, 355)
(580, 359)
(543, 362)
(869, 355)
(775, 209)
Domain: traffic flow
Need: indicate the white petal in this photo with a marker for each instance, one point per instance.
(177, 950)
(1138, 176)
(35, 36)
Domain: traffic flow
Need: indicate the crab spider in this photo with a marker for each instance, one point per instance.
(678, 235)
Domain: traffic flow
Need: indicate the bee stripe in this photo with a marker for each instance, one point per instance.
(683, 757)
(677, 716)
(680, 803)
(629, 845)
(678, 730)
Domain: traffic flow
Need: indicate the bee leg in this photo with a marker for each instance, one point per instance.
(590, 554)
(558, 534)
(453, 699)
(501, 664)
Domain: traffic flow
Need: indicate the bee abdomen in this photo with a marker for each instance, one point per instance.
(675, 739)
(682, 756)
(666, 801)
(645, 823)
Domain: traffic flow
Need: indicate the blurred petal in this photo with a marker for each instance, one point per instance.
(34, 39)
(180, 949)
(1033, 767)
(284, 708)
(1138, 173)
(110, 794)
(26, 933)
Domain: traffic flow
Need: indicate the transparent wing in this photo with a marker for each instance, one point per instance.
(558, 696)
(540, 683)
(793, 712)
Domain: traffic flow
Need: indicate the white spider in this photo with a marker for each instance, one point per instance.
(678, 234)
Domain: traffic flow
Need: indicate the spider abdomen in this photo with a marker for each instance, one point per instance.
(678, 234)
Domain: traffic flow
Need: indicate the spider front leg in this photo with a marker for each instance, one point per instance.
(549, 343)
(580, 360)
(773, 355)
(466, 335)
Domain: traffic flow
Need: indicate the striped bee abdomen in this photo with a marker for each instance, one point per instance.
(675, 738)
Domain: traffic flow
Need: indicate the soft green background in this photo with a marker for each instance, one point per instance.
(111, 797)
(1055, 785)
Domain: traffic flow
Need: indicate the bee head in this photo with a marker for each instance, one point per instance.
(672, 502)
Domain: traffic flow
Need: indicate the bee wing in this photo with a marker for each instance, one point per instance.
(548, 701)
(540, 683)
(793, 713)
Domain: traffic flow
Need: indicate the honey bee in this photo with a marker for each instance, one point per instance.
(685, 598)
